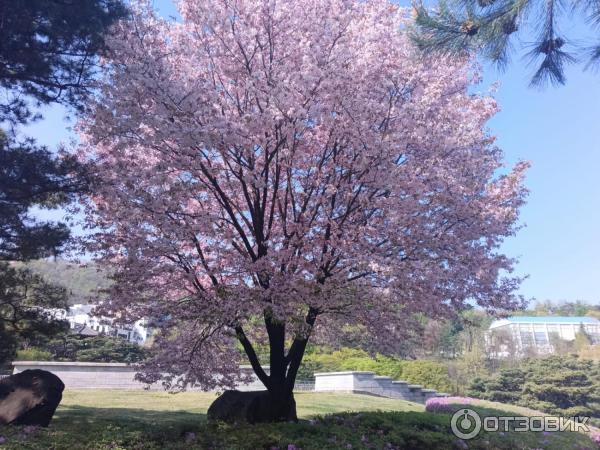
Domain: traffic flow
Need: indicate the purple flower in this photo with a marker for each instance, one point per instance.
(2, 440)
(462, 444)
(30, 429)
(447, 404)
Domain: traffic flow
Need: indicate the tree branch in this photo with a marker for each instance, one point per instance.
(254, 362)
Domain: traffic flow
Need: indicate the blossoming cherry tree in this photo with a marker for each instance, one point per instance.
(267, 172)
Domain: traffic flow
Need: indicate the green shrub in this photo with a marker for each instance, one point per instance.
(349, 359)
(33, 354)
(95, 349)
(431, 374)
(565, 386)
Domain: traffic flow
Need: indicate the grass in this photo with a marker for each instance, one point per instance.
(308, 403)
(156, 420)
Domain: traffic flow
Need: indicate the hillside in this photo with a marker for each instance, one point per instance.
(83, 282)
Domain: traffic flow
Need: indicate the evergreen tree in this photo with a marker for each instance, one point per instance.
(68, 347)
(48, 51)
(32, 176)
(26, 303)
(567, 386)
(492, 26)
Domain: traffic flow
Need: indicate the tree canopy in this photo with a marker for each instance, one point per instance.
(26, 303)
(298, 162)
(32, 176)
(48, 51)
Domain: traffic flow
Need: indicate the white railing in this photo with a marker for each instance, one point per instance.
(304, 385)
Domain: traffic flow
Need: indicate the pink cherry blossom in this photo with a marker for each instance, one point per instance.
(298, 162)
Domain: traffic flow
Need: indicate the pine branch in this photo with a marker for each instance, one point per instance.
(593, 56)
(487, 27)
(550, 46)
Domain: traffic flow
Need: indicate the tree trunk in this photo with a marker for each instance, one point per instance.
(277, 403)
(281, 383)
(281, 404)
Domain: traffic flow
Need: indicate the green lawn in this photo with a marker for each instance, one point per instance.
(197, 403)
(156, 420)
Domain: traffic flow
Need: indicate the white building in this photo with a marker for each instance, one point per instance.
(82, 321)
(522, 335)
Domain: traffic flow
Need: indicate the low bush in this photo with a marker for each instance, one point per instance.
(33, 354)
(431, 374)
(88, 349)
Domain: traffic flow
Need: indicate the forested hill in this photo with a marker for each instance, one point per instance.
(83, 281)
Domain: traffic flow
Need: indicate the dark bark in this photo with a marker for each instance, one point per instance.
(254, 362)
(296, 353)
(277, 362)
(277, 403)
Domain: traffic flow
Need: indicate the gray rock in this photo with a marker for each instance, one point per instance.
(252, 407)
(30, 398)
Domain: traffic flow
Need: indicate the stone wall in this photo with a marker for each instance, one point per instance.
(369, 383)
(87, 375)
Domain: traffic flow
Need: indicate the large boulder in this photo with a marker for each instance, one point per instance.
(30, 398)
(252, 407)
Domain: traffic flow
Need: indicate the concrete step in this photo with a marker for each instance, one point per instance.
(368, 382)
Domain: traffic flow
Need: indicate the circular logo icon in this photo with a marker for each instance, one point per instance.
(466, 424)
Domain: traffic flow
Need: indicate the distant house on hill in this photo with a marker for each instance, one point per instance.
(83, 330)
(524, 335)
(83, 322)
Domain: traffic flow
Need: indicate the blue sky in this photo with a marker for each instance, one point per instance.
(558, 131)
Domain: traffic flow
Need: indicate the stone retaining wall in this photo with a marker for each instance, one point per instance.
(87, 375)
(369, 383)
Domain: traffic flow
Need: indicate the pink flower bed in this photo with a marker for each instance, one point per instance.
(595, 435)
(447, 404)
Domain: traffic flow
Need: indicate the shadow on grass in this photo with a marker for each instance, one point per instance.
(82, 427)
(83, 419)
